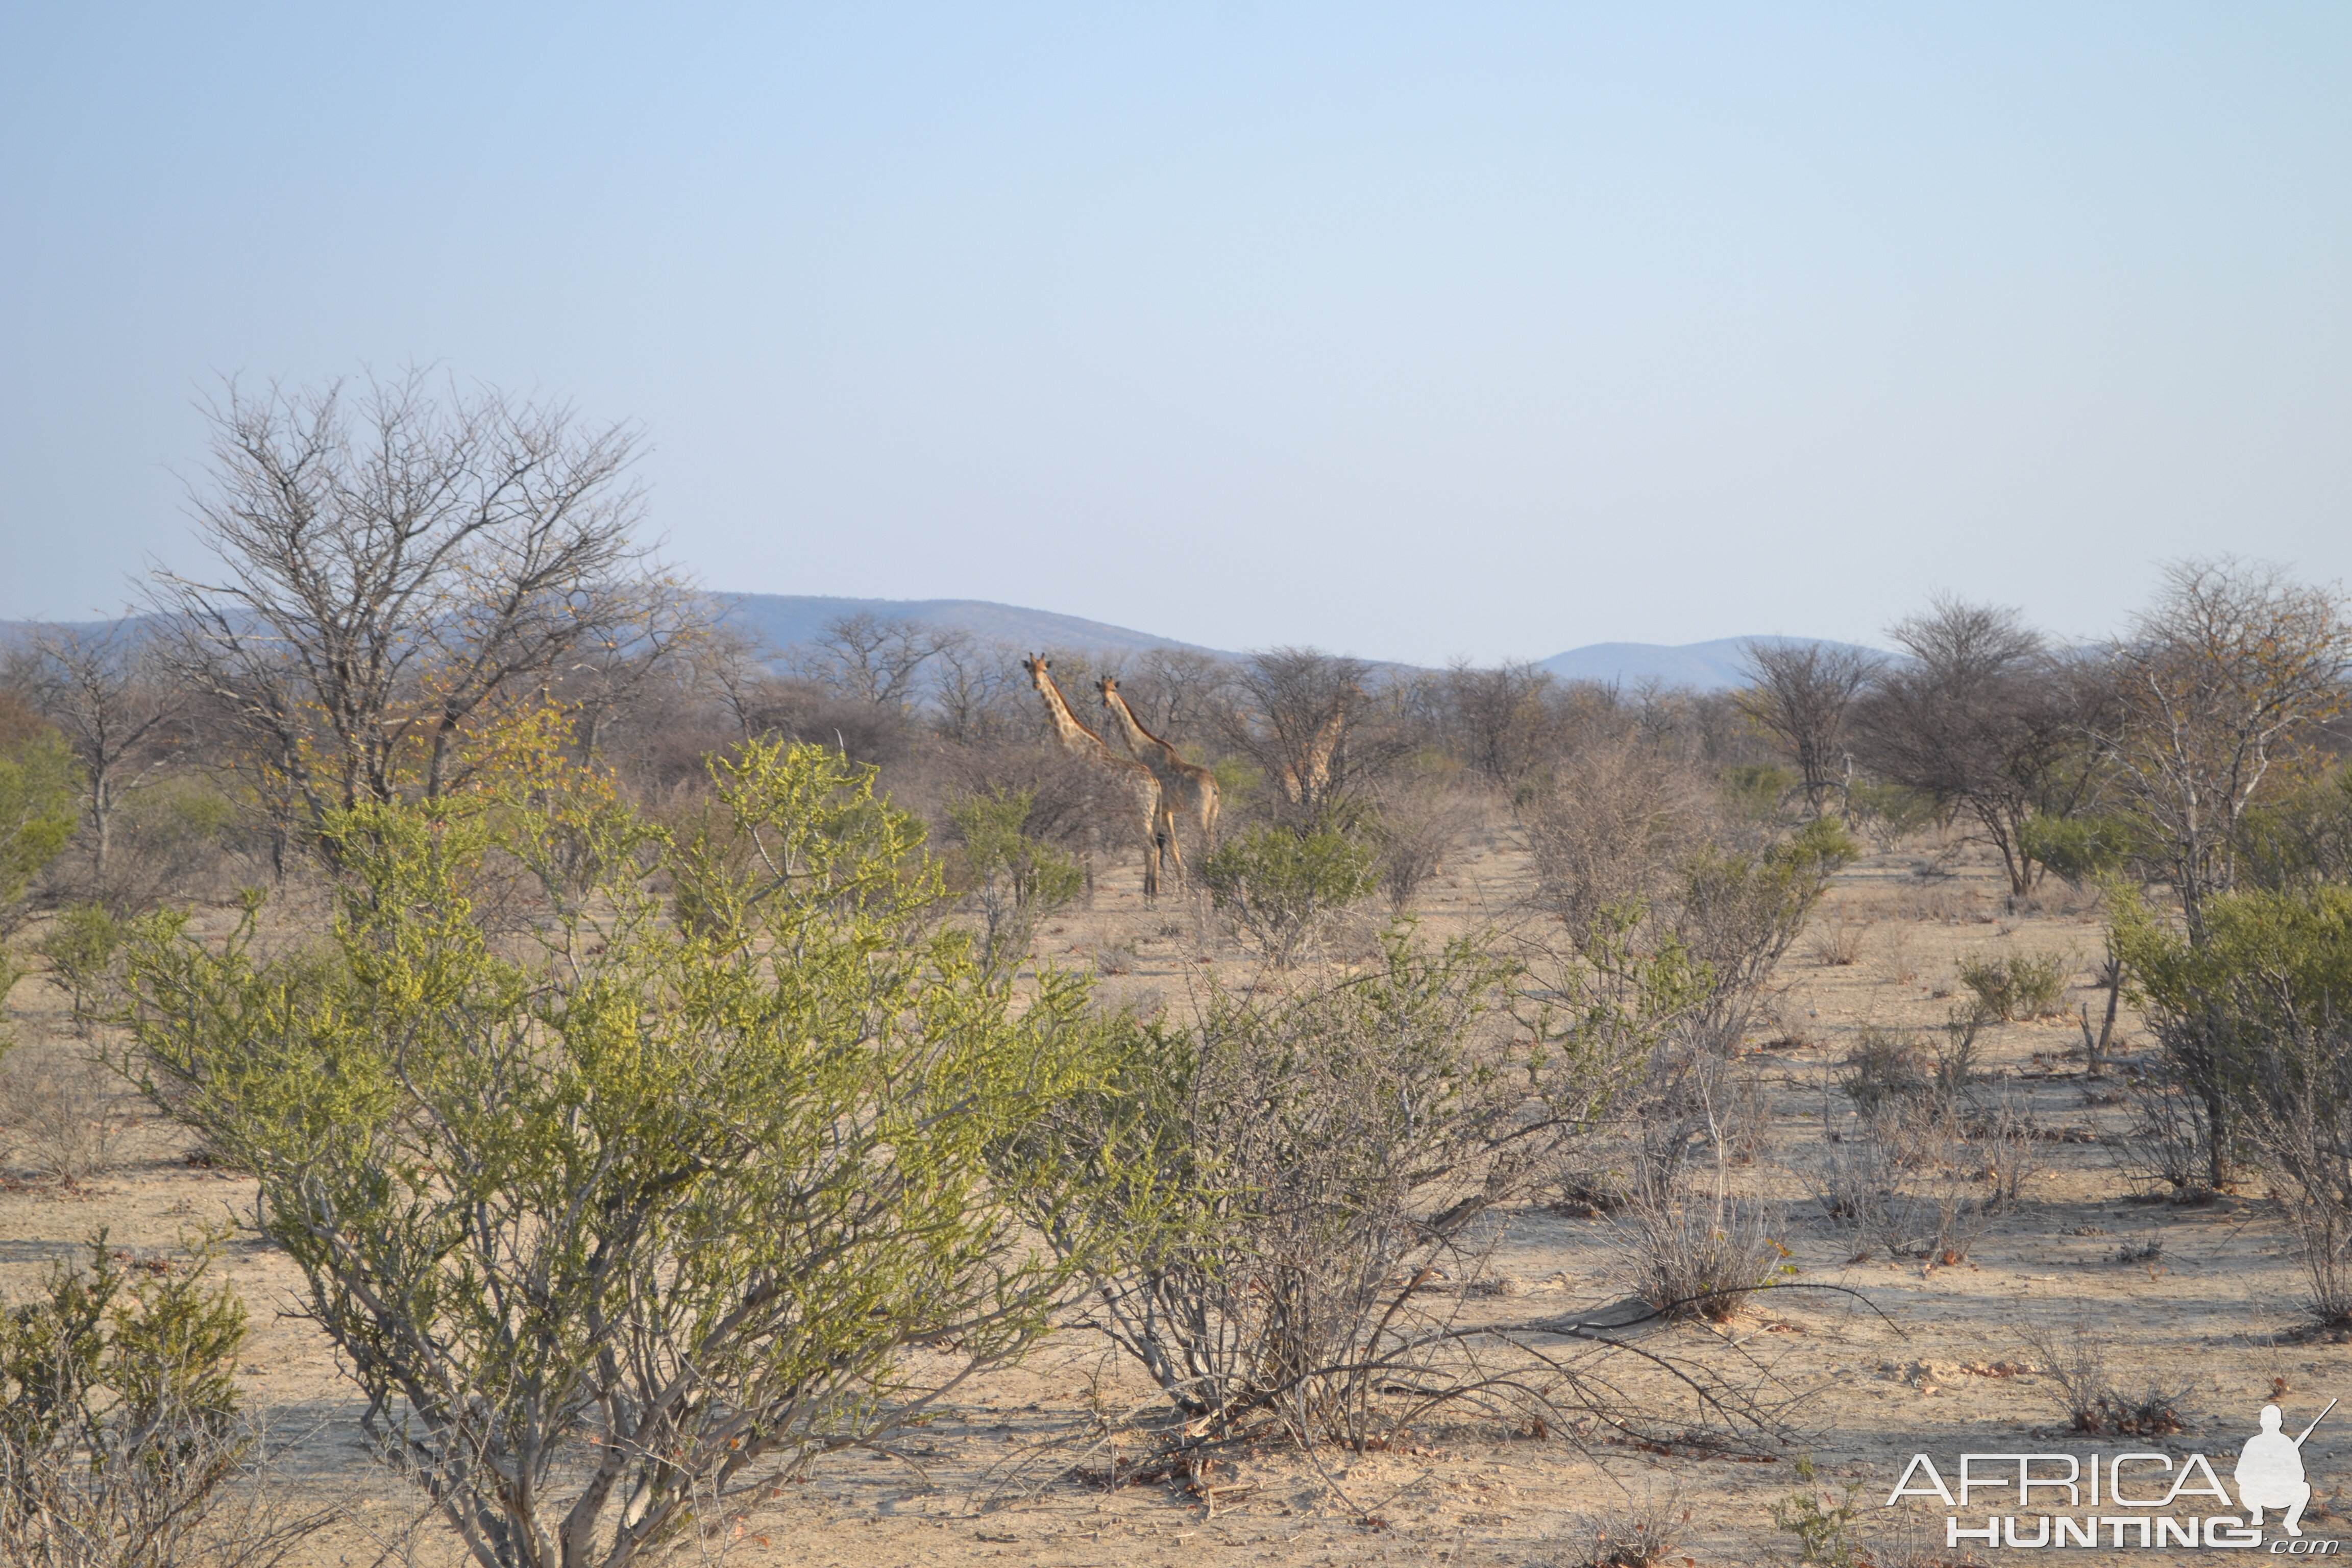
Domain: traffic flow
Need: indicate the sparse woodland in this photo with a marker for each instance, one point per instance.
(503, 1067)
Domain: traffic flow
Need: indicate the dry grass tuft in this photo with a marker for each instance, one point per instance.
(1639, 1533)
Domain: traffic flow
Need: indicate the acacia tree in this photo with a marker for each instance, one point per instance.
(1986, 720)
(393, 572)
(2216, 684)
(617, 1232)
(1801, 694)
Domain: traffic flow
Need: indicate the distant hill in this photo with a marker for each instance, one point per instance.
(788, 620)
(1704, 666)
(791, 620)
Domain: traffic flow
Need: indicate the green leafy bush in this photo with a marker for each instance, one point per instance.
(2080, 850)
(120, 1431)
(2252, 1007)
(2301, 838)
(39, 786)
(1739, 914)
(649, 1206)
(1280, 888)
(1822, 1520)
(1015, 880)
(2018, 986)
(1889, 813)
(81, 945)
(1760, 792)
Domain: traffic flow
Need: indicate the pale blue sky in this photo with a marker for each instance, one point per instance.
(1410, 330)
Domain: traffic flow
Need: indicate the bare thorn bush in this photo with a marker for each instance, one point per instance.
(1616, 821)
(1419, 821)
(1894, 946)
(1641, 1532)
(1925, 1160)
(2165, 1148)
(1346, 1152)
(1838, 944)
(2005, 1137)
(2073, 1356)
(66, 1116)
(1693, 1254)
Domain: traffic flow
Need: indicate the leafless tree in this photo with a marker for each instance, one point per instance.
(391, 570)
(633, 659)
(1617, 821)
(1305, 718)
(732, 664)
(1801, 693)
(1503, 722)
(1987, 719)
(101, 688)
(979, 695)
(2234, 664)
(1177, 692)
(866, 658)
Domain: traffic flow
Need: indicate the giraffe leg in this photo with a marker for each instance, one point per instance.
(1150, 858)
(1171, 850)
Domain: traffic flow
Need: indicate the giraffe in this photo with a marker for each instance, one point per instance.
(1185, 788)
(1304, 781)
(1132, 779)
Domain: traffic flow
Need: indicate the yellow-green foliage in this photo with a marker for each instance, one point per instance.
(80, 945)
(39, 783)
(95, 1369)
(2302, 835)
(1238, 778)
(2081, 849)
(690, 1169)
(1822, 1520)
(2015, 986)
(1758, 792)
(1739, 913)
(2275, 959)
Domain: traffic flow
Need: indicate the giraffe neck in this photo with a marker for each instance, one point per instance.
(1142, 739)
(1074, 735)
(1319, 750)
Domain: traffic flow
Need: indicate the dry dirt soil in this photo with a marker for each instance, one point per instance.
(2205, 1305)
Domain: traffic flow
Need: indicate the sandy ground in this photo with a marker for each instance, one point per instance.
(1920, 1371)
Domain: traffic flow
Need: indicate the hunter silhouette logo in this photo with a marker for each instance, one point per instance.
(2269, 1471)
(2143, 1498)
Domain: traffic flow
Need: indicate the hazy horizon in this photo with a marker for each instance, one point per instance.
(1492, 331)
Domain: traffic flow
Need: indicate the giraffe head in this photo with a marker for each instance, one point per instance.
(1037, 665)
(1109, 686)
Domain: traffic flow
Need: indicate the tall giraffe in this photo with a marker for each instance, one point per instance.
(1132, 779)
(1185, 788)
(1306, 781)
